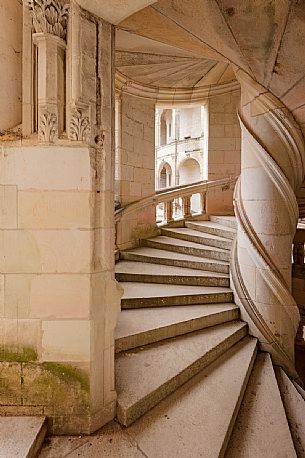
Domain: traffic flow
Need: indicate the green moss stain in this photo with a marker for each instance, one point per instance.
(18, 355)
(68, 373)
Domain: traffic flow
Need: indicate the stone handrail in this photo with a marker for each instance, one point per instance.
(180, 141)
(184, 192)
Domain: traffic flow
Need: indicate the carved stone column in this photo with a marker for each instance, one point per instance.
(272, 169)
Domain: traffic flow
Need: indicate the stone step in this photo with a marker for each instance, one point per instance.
(210, 227)
(261, 429)
(141, 327)
(190, 235)
(152, 273)
(21, 437)
(146, 376)
(299, 389)
(186, 247)
(171, 258)
(137, 295)
(294, 405)
(196, 420)
(229, 221)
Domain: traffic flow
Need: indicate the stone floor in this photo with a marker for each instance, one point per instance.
(111, 441)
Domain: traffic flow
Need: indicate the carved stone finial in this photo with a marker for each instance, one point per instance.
(48, 128)
(49, 16)
(79, 126)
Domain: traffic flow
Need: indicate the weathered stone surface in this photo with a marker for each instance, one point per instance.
(261, 428)
(21, 437)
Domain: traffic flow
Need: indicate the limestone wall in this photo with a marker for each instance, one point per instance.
(223, 136)
(136, 167)
(138, 149)
(59, 299)
(46, 246)
(10, 63)
(190, 122)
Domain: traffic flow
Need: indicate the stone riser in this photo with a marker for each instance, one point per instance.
(201, 252)
(213, 298)
(212, 267)
(126, 416)
(211, 230)
(174, 279)
(223, 244)
(176, 329)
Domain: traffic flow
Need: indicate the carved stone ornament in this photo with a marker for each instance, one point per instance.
(48, 129)
(49, 16)
(79, 126)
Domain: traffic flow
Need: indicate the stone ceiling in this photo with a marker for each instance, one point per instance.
(265, 38)
(152, 63)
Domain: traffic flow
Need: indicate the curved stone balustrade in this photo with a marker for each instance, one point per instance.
(267, 213)
(216, 196)
(185, 192)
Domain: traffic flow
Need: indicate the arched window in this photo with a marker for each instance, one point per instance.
(165, 176)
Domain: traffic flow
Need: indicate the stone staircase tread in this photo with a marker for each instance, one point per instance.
(146, 375)
(133, 267)
(154, 252)
(144, 326)
(185, 243)
(299, 389)
(192, 232)
(261, 429)
(294, 405)
(21, 437)
(138, 289)
(139, 294)
(195, 420)
(213, 224)
(206, 226)
(229, 221)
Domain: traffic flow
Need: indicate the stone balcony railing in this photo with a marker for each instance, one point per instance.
(184, 145)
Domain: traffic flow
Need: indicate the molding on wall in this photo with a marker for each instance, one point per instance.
(172, 96)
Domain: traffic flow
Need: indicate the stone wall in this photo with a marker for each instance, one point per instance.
(190, 122)
(10, 63)
(223, 136)
(136, 166)
(59, 299)
(46, 246)
(137, 178)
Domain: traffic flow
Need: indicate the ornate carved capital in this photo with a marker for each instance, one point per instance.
(49, 16)
(48, 127)
(79, 126)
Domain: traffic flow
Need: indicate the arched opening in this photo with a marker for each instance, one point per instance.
(189, 172)
(165, 176)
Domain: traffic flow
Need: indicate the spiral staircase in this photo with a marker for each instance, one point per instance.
(191, 380)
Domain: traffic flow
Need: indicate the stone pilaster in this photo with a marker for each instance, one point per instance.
(49, 20)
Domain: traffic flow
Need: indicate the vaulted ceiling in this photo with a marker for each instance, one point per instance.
(155, 64)
(263, 37)
(181, 42)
